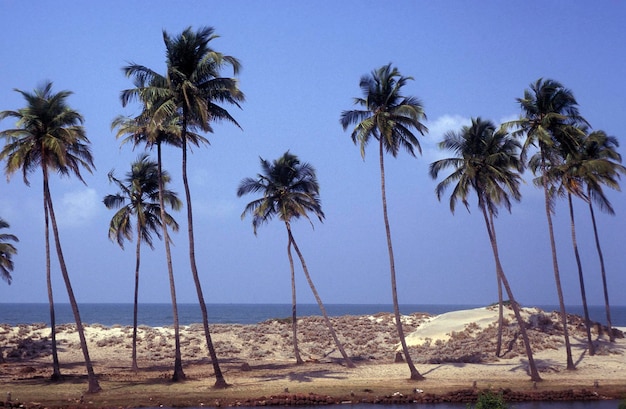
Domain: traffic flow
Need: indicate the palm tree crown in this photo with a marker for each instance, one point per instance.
(140, 188)
(290, 190)
(600, 164)
(49, 133)
(192, 85)
(144, 130)
(7, 251)
(193, 72)
(550, 118)
(486, 161)
(386, 115)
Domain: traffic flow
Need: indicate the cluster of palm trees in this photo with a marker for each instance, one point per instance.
(176, 106)
(488, 161)
(184, 101)
(569, 160)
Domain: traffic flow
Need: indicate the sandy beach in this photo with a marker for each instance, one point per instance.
(454, 351)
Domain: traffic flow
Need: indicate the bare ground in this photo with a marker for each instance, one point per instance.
(257, 361)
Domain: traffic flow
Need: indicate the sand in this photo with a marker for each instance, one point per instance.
(454, 351)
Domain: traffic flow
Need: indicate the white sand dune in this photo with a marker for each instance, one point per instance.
(440, 327)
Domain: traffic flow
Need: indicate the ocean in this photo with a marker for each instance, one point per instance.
(158, 315)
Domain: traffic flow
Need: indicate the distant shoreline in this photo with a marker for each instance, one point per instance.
(160, 314)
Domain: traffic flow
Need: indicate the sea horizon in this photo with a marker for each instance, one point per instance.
(160, 314)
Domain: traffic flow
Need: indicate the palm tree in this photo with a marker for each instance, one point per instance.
(290, 190)
(138, 197)
(563, 176)
(487, 163)
(550, 120)
(7, 251)
(50, 135)
(143, 129)
(389, 117)
(602, 166)
(596, 163)
(190, 90)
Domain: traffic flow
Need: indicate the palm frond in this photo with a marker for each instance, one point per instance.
(49, 134)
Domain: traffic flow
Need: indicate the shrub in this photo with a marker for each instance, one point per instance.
(489, 400)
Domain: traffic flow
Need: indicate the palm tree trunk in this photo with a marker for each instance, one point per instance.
(179, 375)
(534, 374)
(603, 272)
(94, 386)
(581, 279)
(415, 375)
(220, 382)
(135, 367)
(500, 298)
(56, 367)
(482, 205)
(500, 314)
(294, 315)
(347, 359)
(555, 266)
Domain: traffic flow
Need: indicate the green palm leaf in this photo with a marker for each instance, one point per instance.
(7, 251)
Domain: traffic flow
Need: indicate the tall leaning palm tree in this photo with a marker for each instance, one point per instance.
(391, 119)
(487, 163)
(7, 251)
(595, 165)
(290, 190)
(192, 89)
(145, 130)
(49, 135)
(550, 120)
(138, 198)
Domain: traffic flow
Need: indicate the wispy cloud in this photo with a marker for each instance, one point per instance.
(78, 208)
(436, 130)
(447, 123)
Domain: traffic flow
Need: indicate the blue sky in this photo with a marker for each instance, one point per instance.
(301, 66)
